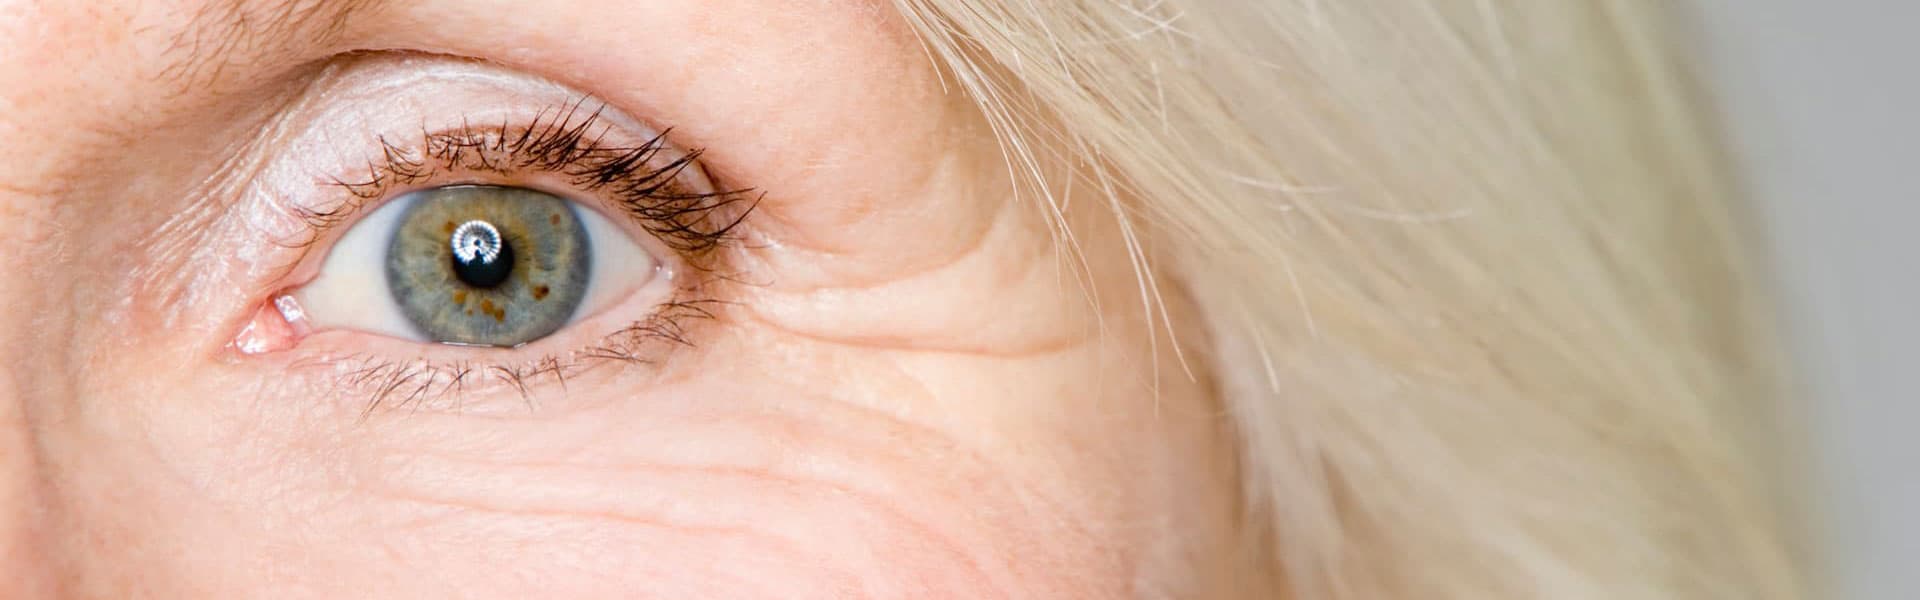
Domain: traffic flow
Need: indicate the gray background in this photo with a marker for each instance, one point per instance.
(1821, 97)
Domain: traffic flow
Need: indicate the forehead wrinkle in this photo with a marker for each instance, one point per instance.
(226, 32)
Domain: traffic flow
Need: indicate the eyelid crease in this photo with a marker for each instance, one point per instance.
(661, 189)
(567, 141)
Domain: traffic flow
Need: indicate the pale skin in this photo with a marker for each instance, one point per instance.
(910, 390)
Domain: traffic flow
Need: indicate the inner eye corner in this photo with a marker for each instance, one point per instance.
(570, 187)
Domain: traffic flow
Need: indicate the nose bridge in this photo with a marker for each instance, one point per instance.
(42, 355)
(31, 322)
(27, 381)
(23, 560)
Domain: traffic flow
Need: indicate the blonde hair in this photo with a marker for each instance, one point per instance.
(1475, 294)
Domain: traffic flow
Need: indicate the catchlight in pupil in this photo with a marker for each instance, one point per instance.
(564, 270)
(477, 265)
(488, 265)
(481, 258)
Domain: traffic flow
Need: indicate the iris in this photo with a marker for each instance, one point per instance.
(488, 265)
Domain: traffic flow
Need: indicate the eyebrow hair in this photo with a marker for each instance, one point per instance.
(224, 31)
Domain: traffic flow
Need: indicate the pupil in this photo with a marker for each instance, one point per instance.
(481, 256)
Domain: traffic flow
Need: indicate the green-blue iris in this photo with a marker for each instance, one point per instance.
(488, 265)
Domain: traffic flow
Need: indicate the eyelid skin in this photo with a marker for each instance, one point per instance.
(375, 128)
(367, 124)
(883, 408)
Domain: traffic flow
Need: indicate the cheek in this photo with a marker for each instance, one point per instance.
(724, 488)
(803, 468)
(747, 488)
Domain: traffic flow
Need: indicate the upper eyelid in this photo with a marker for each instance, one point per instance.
(567, 141)
(374, 120)
(553, 142)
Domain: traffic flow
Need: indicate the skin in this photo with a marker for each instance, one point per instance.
(912, 391)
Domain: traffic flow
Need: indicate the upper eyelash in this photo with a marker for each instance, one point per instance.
(569, 141)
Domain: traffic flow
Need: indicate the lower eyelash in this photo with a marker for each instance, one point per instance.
(445, 385)
(567, 141)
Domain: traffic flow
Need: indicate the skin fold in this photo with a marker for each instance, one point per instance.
(912, 388)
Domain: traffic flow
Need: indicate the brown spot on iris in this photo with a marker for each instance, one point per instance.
(498, 313)
(449, 302)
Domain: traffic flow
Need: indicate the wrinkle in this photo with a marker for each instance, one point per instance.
(818, 448)
(26, 190)
(976, 243)
(943, 336)
(996, 298)
(948, 194)
(23, 505)
(762, 543)
(1052, 346)
(618, 508)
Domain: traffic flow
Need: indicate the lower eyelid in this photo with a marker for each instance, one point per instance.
(636, 289)
(389, 373)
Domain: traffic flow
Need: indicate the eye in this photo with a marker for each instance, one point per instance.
(475, 265)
